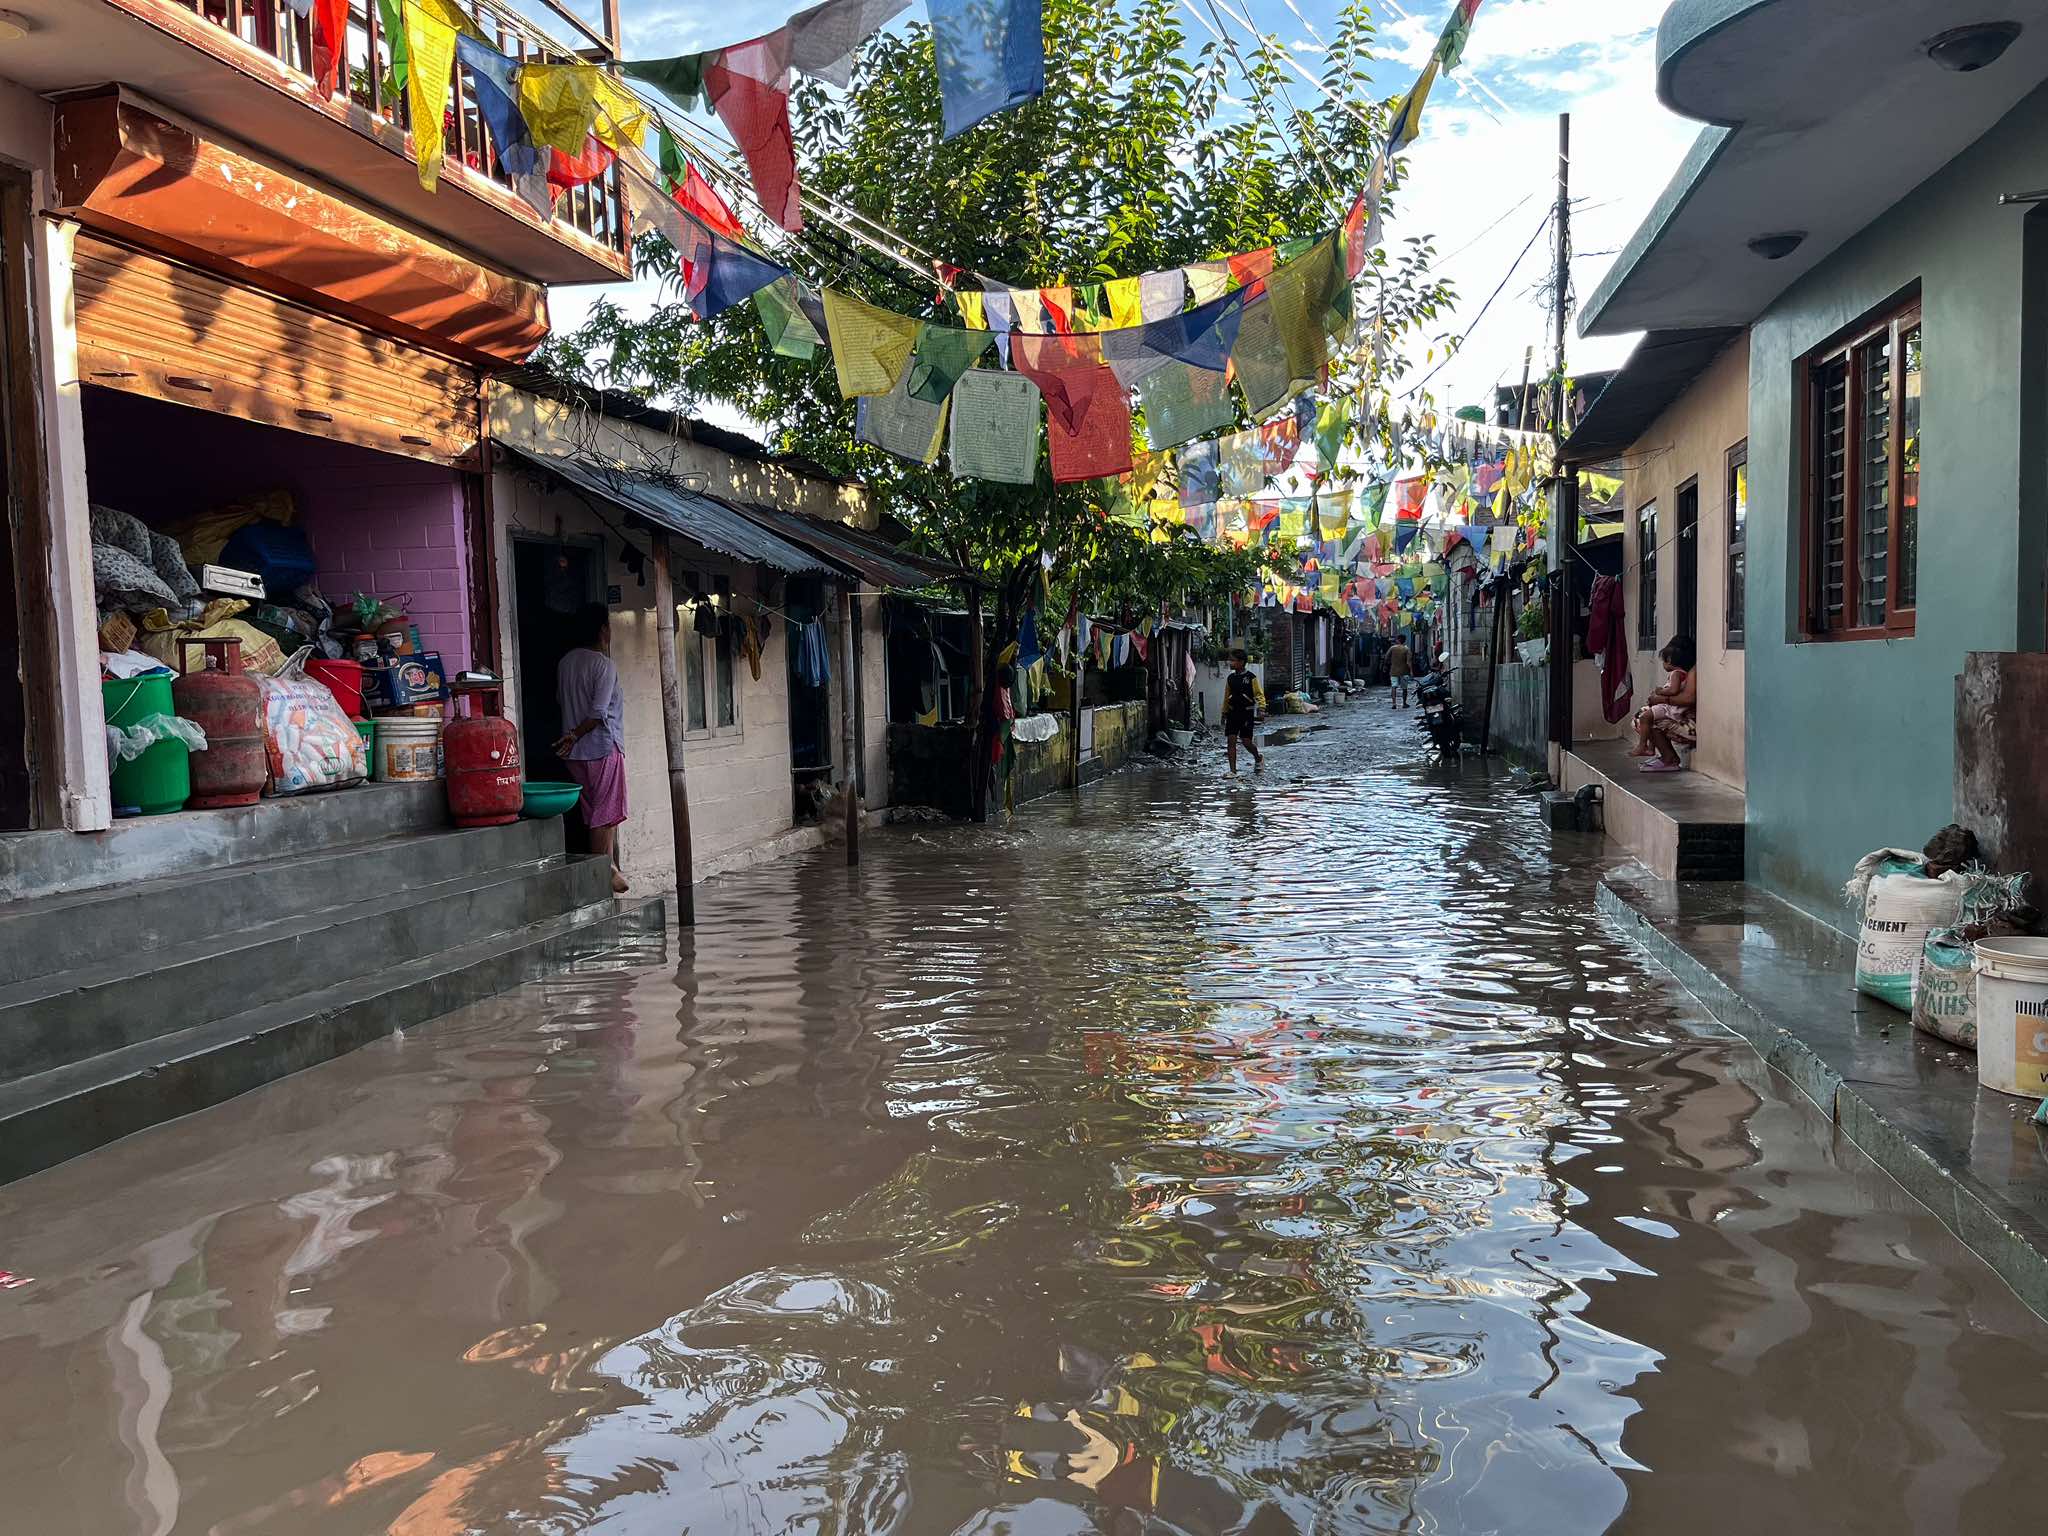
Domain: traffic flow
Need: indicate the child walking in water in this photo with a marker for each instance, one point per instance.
(1243, 698)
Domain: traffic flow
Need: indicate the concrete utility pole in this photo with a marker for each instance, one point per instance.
(1564, 493)
(849, 734)
(672, 727)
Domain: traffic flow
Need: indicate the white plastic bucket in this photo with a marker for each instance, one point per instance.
(408, 750)
(2012, 1016)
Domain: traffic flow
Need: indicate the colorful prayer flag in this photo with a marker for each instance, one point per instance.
(870, 347)
(990, 56)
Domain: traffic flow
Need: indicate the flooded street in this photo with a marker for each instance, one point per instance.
(1188, 1157)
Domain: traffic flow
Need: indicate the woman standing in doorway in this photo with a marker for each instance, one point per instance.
(592, 749)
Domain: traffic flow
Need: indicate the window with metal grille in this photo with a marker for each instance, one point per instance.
(1737, 499)
(1646, 576)
(1860, 528)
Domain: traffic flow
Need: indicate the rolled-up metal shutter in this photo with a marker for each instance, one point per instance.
(172, 332)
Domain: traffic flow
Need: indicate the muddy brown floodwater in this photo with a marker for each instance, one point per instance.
(1188, 1157)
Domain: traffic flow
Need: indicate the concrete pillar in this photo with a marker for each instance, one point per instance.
(2001, 742)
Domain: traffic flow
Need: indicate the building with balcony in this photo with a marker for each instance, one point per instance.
(225, 285)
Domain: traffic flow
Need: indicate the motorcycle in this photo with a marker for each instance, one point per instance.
(1440, 719)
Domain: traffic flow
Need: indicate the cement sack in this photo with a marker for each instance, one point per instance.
(1901, 907)
(1945, 995)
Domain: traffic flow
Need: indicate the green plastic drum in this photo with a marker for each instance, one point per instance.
(160, 780)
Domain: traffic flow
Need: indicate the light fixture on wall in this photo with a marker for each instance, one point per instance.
(1777, 247)
(1968, 49)
(15, 25)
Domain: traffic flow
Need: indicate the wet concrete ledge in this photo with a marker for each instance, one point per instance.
(1785, 983)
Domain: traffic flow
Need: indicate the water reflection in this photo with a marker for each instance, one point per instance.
(1185, 1158)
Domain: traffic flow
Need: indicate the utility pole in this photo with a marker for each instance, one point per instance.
(672, 728)
(1564, 492)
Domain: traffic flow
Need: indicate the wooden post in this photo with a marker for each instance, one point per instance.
(1564, 493)
(672, 728)
(849, 735)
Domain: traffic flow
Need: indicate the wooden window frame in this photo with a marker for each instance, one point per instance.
(1735, 564)
(1690, 486)
(1646, 577)
(1890, 323)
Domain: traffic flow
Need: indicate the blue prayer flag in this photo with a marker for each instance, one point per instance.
(991, 56)
(497, 99)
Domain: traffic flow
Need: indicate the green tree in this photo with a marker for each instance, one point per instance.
(1143, 153)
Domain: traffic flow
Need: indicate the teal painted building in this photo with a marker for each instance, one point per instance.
(1845, 204)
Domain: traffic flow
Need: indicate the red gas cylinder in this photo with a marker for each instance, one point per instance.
(226, 703)
(482, 756)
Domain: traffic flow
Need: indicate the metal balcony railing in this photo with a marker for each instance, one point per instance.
(595, 209)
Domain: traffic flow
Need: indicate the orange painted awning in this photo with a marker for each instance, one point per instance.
(132, 170)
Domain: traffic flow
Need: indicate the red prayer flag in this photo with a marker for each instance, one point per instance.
(330, 42)
(564, 173)
(696, 196)
(749, 89)
(1250, 269)
(1087, 414)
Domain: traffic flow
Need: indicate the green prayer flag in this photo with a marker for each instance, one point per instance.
(681, 80)
(941, 354)
(1332, 422)
(674, 168)
(394, 35)
(1301, 292)
(790, 331)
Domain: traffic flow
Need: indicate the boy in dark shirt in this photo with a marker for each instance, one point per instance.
(1243, 698)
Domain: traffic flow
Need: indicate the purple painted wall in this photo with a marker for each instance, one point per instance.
(377, 523)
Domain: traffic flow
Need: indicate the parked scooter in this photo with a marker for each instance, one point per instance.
(1440, 718)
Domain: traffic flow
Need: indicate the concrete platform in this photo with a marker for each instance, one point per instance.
(1784, 982)
(1682, 826)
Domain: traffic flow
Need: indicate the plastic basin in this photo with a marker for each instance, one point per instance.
(546, 799)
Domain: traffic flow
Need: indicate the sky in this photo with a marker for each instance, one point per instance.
(1482, 178)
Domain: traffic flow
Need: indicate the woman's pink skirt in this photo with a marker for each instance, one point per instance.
(604, 789)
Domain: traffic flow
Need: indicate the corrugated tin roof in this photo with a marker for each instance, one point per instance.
(872, 558)
(702, 520)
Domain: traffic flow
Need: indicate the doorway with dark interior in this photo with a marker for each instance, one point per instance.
(553, 580)
(1688, 533)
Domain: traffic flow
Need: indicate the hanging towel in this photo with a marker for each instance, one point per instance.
(814, 655)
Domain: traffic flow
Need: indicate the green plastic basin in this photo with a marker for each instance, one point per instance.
(547, 799)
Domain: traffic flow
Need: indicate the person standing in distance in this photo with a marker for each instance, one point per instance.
(592, 747)
(1400, 672)
(1243, 698)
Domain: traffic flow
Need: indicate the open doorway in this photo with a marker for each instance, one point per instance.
(552, 580)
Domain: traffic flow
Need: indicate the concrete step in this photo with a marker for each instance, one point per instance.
(44, 935)
(36, 864)
(55, 1020)
(59, 1114)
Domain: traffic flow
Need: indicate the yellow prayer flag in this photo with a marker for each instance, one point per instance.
(564, 104)
(1407, 124)
(971, 312)
(870, 347)
(1124, 302)
(430, 50)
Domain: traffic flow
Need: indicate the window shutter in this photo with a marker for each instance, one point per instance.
(1831, 492)
(1874, 480)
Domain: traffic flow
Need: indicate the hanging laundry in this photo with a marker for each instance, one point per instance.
(899, 423)
(870, 347)
(824, 39)
(494, 76)
(748, 86)
(990, 56)
(940, 355)
(996, 423)
(790, 332)
(1183, 403)
(1088, 418)
(564, 104)
(813, 654)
